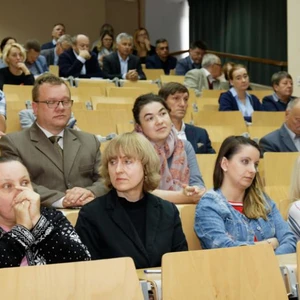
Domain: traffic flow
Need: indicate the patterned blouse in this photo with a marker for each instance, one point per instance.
(52, 240)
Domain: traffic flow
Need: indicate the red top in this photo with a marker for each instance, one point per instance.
(239, 207)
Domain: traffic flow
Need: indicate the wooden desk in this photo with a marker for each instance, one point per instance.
(287, 259)
(284, 259)
(99, 279)
(150, 277)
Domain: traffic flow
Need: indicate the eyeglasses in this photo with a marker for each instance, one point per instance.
(55, 104)
(220, 65)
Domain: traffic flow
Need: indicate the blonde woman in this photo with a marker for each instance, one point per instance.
(236, 212)
(129, 220)
(294, 211)
(16, 72)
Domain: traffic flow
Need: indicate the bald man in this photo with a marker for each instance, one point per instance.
(79, 61)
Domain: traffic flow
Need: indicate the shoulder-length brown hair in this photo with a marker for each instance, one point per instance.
(136, 146)
(254, 202)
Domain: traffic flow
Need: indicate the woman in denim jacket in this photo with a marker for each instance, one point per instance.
(237, 212)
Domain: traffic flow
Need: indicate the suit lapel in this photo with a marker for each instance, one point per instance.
(121, 219)
(42, 143)
(117, 63)
(190, 135)
(286, 139)
(71, 147)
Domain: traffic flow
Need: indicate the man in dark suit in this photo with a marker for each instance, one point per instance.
(193, 61)
(63, 163)
(162, 59)
(51, 55)
(122, 64)
(176, 96)
(79, 61)
(58, 30)
(287, 137)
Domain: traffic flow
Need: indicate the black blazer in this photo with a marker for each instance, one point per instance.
(154, 62)
(105, 228)
(199, 139)
(69, 65)
(112, 67)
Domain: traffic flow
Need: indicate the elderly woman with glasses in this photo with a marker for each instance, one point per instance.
(16, 72)
(30, 235)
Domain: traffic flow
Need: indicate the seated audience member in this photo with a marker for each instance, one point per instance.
(286, 138)
(30, 235)
(193, 61)
(6, 41)
(16, 72)
(181, 180)
(52, 54)
(176, 96)
(104, 47)
(27, 119)
(162, 59)
(104, 27)
(207, 76)
(58, 30)
(122, 64)
(130, 220)
(62, 162)
(35, 62)
(141, 45)
(2, 114)
(79, 61)
(236, 212)
(225, 70)
(294, 209)
(282, 83)
(237, 98)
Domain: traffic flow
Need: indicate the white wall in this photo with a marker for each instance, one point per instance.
(168, 19)
(293, 8)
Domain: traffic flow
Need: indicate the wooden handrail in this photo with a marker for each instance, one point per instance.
(241, 57)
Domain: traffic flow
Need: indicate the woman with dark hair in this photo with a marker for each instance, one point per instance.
(181, 180)
(237, 97)
(31, 235)
(104, 46)
(141, 45)
(129, 220)
(237, 212)
(6, 41)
